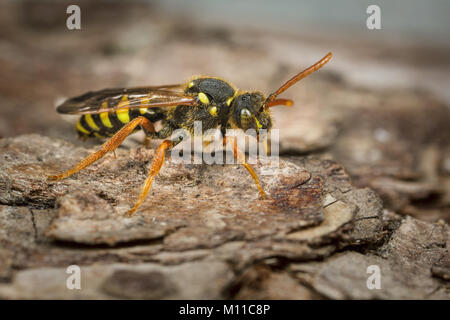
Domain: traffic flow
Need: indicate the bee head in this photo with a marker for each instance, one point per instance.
(248, 112)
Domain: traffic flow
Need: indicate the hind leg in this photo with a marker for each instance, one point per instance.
(109, 145)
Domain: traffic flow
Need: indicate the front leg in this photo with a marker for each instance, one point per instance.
(238, 154)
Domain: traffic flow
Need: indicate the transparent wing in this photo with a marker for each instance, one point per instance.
(131, 98)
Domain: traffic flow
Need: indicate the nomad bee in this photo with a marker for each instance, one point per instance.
(116, 113)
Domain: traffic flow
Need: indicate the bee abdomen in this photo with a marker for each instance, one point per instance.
(106, 124)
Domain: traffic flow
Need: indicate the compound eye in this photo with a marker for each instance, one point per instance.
(213, 111)
(203, 98)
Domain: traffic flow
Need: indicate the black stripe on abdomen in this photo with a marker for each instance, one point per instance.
(107, 124)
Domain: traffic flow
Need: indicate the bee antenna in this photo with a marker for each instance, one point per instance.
(319, 64)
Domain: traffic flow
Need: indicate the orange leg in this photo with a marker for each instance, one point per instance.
(108, 146)
(157, 163)
(239, 154)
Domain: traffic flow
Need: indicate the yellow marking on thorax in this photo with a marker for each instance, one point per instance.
(213, 111)
(203, 98)
(122, 113)
(81, 128)
(91, 122)
(230, 99)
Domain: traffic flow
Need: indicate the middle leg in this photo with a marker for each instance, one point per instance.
(157, 163)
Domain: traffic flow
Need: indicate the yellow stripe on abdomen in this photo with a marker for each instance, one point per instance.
(91, 122)
(104, 118)
(99, 136)
(81, 129)
(123, 115)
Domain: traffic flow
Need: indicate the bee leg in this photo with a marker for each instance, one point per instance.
(146, 142)
(150, 134)
(239, 154)
(109, 145)
(157, 163)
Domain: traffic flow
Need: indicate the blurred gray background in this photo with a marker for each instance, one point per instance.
(405, 20)
(413, 42)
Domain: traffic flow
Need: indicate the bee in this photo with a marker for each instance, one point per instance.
(117, 113)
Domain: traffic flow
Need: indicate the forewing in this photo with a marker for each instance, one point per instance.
(131, 98)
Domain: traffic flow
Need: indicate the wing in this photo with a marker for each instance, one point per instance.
(131, 98)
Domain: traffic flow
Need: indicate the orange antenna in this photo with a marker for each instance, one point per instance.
(271, 101)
